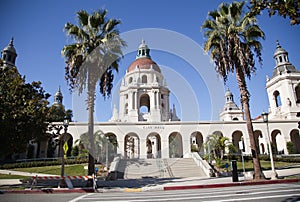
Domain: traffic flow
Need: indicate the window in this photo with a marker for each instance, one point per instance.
(276, 95)
(144, 79)
(130, 80)
(126, 108)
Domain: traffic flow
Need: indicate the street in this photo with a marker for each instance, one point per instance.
(266, 193)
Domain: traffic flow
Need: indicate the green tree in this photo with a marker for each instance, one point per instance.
(232, 38)
(100, 141)
(57, 113)
(23, 112)
(91, 59)
(283, 8)
(217, 145)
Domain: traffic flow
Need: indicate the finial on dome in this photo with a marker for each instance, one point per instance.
(143, 41)
(11, 41)
(278, 44)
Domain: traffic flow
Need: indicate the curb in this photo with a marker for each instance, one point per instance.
(144, 189)
(232, 184)
(48, 191)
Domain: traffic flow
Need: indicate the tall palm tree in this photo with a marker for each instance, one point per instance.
(232, 38)
(91, 58)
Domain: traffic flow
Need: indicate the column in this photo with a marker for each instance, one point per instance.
(143, 148)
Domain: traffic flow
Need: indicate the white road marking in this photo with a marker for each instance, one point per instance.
(254, 198)
(193, 196)
(81, 197)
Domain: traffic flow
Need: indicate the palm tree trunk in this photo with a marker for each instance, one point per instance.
(91, 105)
(245, 102)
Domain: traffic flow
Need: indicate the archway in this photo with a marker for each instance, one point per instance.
(197, 142)
(69, 140)
(132, 146)
(236, 138)
(175, 145)
(257, 136)
(153, 144)
(295, 139)
(277, 98)
(218, 133)
(276, 135)
(144, 107)
(112, 145)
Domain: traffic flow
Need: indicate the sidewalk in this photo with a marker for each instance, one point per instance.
(153, 184)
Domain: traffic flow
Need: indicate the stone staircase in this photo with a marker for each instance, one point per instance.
(158, 168)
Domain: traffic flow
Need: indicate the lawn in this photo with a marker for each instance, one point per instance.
(266, 165)
(5, 176)
(70, 170)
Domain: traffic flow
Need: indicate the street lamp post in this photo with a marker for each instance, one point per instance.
(274, 175)
(66, 124)
(106, 159)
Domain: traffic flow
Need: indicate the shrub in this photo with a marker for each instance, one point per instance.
(290, 147)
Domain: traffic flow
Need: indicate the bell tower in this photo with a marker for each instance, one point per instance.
(231, 111)
(9, 54)
(144, 94)
(58, 98)
(283, 87)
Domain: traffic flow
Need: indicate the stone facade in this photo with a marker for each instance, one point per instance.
(145, 127)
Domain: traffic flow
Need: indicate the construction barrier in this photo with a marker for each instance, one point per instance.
(60, 177)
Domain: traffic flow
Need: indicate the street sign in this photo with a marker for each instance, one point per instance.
(65, 147)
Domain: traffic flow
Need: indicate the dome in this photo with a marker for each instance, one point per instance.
(279, 50)
(143, 59)
(228, 93)
(143, 63)
(143, 45)
(10, 47)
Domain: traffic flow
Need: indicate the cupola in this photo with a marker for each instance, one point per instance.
(9, 54)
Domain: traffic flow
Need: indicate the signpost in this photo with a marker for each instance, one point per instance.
(241, 147)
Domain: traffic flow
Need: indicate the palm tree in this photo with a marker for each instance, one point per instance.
(91, 58)
(232, 38)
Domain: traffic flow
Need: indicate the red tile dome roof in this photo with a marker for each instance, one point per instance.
(143, 63)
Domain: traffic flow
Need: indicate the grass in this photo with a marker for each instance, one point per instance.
(265, 165)
(71, 170)
(5, 176)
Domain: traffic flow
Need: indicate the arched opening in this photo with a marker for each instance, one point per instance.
(126, 108)
(112, 145)
(130, 80)
(132, 146)
(297, 91)
(236, 138)
(144, 79)
(277, 146)
(175, 145)
(277, 98)
(153, 144)
(262, 148)
(69, 140)
(144, 107)
(197, 142)
(295, 139)
(257, 137)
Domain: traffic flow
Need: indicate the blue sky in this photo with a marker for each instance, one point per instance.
(170, 28)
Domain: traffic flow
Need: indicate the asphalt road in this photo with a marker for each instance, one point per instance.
(265, 193)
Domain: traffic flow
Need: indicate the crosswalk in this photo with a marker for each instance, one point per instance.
(277, 192)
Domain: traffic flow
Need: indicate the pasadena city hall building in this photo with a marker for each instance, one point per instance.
(147, 126)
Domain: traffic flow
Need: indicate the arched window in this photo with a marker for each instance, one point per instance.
(277, 98)
(144, 79)
(145, 103)
(126, 108)
(130, 80)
